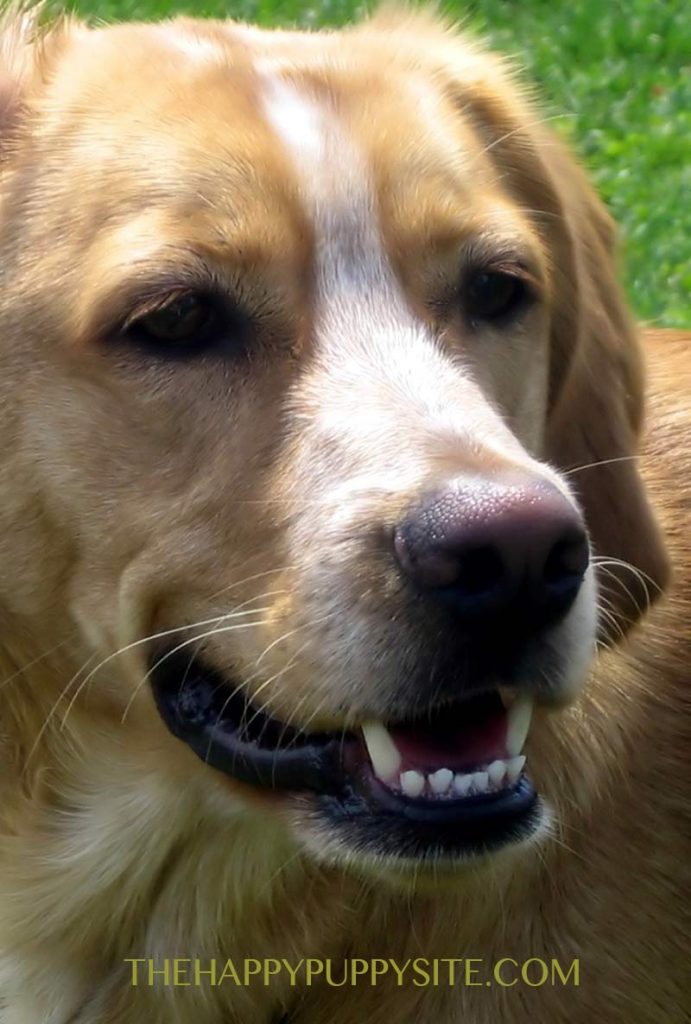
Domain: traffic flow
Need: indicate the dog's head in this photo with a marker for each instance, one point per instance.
(320, 401)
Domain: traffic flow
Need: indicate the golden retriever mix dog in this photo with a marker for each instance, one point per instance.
(320, 408)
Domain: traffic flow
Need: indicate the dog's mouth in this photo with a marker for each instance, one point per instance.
(450, 781)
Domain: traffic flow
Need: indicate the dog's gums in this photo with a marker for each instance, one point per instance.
(455, 774)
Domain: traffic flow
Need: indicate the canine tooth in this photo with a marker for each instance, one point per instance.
(412, 783)
(520, 714)
(508, 696)
(461, 784)
(496, 772)
(382, 750)
(514, 767)
(440, 780)
(480, 782)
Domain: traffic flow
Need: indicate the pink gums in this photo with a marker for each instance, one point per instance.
(451, 742)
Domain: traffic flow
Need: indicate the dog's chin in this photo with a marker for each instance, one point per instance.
(421, 867)
(405, 855)
(430, 793)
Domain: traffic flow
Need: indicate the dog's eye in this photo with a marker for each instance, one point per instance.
(185, 320)
(493, 295)
(184, 324)
(181, 320)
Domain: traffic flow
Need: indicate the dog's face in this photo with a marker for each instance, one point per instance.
(300, 335)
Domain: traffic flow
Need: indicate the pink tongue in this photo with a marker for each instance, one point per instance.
(458, 741)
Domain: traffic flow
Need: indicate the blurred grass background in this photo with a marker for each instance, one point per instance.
(618, 74)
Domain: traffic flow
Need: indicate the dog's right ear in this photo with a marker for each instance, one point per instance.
(26, 49)
(18, 35)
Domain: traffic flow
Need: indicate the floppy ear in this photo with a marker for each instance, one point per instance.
(26, 50)
(597, 384)
(18, 29)
(595, 407)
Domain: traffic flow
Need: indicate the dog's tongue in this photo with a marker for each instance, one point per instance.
(472, 734)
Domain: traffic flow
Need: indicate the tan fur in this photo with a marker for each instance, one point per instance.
(135, 500)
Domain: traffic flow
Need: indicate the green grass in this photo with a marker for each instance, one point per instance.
(619, 71)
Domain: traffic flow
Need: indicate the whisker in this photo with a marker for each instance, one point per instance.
(148, 639)
(53, 710)
(604, 564)
(608, 560)
(285, 637)
(610, 575)
(41, 657)
(177, 629)
(522, 128)
(292, 718)
(317, 711)
(123, 650)
(245, 683)
(601, 462)
(248, 579)
(262, 709)
(611, 618)
(192, 640)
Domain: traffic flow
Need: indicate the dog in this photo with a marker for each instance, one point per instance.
(323, 490)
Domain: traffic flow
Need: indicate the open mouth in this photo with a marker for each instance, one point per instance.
(451, 781)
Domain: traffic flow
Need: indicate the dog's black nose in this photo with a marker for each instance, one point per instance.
(496, 551)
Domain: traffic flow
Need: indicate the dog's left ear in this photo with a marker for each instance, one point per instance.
(595, 408)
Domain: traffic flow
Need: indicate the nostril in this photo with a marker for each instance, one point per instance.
(512, 553)
(567, 561)
(480, 571)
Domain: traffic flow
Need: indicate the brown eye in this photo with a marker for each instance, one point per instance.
(185, 324)
(187, 319)
(492, 296)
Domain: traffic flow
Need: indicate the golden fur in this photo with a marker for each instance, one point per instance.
(131, 503)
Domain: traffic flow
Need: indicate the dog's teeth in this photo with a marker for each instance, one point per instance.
(387, 761)
(496, 772)
(519, 716)
(461, 784)
(382, 751)
(508, 696)
(514, 767)
(440, 780)
(480, 782)
(412, 783)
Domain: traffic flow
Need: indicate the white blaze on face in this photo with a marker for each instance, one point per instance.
(377, 356)
(335, 188)
(300, 123)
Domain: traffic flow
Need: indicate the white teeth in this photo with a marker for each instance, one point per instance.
(496, 772)
(514, 767)
(412, 783)
(508, 696)
(480, 782)
(443, 783)
(519, 716)
(382, 750)
(461, 784)
(440, 781)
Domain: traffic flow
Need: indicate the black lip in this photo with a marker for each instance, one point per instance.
(401, 830)
(194, 703)
(223, 729)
